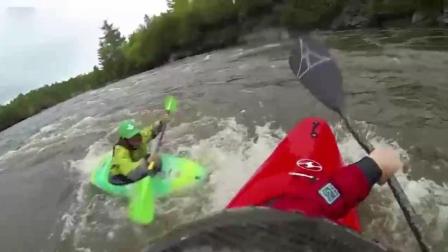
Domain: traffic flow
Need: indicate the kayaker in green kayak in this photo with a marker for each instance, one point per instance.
(130, 158)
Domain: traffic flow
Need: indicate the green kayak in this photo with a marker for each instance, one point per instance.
(177, 174)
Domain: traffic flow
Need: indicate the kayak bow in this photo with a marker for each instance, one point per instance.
(308, 152)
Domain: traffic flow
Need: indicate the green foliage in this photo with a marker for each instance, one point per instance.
(110, 55)
(405, 6)
(299, 14)
(395, 6)
(189, 27)
(429, 5)
(250, 8)
(178, 6)
(24, 106)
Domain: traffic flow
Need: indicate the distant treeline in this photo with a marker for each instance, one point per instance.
(188, 27)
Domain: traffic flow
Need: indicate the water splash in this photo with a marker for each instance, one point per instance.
(232, 154)
(383, 219)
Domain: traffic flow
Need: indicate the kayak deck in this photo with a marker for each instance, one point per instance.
(177, 174)
(310, 151)
(262, 230)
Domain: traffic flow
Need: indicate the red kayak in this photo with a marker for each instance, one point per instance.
(307, 153)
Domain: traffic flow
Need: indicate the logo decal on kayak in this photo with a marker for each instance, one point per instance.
(313, 130)
(309, 59)
(309, 165)
(329, 193)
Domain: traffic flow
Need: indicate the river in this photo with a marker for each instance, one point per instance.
(234, 107)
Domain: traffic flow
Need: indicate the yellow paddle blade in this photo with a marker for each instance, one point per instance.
(142, 208)
(170, 104)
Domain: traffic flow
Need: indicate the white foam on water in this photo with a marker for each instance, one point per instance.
(232, 154)
(50, 128)
(76, 222)
(51, 135)
(386, 220)
(254, 50)
(273, 45)
(94, 155)
(243, 66)
(13, 153)
(63, 131)
(113, 89)
(34, 143)
(83, 250)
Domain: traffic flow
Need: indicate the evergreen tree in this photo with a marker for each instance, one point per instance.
(178, 6)
(110, 53)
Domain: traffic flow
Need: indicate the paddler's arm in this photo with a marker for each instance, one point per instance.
(122, 164)
(354, 182)
(152, 131)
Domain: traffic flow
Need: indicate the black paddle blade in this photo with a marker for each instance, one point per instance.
(315, 68)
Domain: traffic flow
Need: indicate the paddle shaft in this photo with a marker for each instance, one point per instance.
(162, 133)
(159, 143)
(313, 65)
(170, 104)
(141, 207)
(403, 201)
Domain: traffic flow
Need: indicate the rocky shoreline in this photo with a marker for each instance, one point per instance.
(384, 14)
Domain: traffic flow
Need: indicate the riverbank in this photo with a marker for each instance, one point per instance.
(235, 105)
(190, 28)
(388, 14)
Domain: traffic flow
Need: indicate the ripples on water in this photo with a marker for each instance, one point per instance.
(236, 105)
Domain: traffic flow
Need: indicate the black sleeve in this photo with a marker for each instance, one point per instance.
(157, 128)
(370, 169)
(138, 173)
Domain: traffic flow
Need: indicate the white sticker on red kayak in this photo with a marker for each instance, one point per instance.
(329, 193)
(309, 165)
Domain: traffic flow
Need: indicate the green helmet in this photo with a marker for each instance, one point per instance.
(127, 129)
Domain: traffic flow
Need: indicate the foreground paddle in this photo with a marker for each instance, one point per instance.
(142, 205)
(318, 72)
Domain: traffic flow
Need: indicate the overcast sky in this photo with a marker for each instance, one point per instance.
(54, 40)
